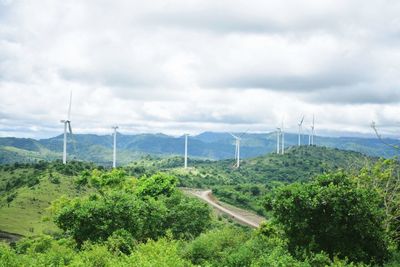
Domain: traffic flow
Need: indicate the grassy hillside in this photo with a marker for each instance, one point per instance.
(26, 190)
(120, 219)
(298, 163)
(246, 186)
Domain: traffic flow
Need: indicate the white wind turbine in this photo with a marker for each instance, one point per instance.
(67, 123)
(313, 130)
(186, 150)
(280, 140)
(237, 148)
(115, 146)
(300, 124)
(278, 135)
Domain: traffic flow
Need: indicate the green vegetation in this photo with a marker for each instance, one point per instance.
(245, 187)
(144, 209)
(325, 207)
(332, 214)
(26, 190)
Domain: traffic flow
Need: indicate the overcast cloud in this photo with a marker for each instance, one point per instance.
(199, 65)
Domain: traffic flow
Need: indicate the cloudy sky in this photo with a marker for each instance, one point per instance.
(199, 65)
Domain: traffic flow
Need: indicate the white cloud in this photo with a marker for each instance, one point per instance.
(174, 66)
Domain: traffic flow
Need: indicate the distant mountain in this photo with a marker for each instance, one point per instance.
(207, 145)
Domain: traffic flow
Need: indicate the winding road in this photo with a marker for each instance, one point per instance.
(241, 216)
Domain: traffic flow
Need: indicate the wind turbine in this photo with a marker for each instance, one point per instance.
(115, 146)
(186, 150)
(237, 148)
(278, 135)
(313, 130)
(300, 124)
(67, 123)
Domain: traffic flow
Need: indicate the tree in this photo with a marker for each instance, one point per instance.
(187, 217)
(97, 217)
(332, 214)
(100, 179)
(147, 208)
(156, 185)
(384, 177)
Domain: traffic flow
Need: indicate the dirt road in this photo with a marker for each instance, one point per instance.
(237, 214)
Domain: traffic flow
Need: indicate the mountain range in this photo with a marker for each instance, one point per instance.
(207, 145)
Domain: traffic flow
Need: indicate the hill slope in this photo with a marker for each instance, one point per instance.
(246, 186)
(26, 190)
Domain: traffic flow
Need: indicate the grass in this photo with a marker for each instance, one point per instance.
(25, 214)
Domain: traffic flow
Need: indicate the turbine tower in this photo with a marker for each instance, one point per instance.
(300, 124)
(186, 150)
(283, 139)
(278, 135)
(313, 130)
(237, 150)
(115, 146)
(67, 123)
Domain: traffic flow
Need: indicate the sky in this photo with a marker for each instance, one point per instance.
(188, 66)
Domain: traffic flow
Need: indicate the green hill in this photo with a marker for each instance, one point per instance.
(245, 186)
(208, 145)
(26, 190)
(298, 163)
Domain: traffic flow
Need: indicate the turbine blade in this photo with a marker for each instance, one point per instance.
(244, 133)
(69, 127)
(72, 136)
(69, 107)
(234, 136)
(302, 119)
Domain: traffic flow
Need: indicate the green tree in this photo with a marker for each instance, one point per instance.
(332, 214)
(187, 217)
(101, 179)
(97, 217)
(384, 177)
(156, 185)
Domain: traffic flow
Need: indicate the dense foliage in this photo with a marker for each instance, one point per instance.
(332, 214)
(145, 208)
(222, 246)
(110, 218)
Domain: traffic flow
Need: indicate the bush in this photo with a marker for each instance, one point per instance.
(11, 197)
(161, 253)
(121, 241)
(212, 247)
